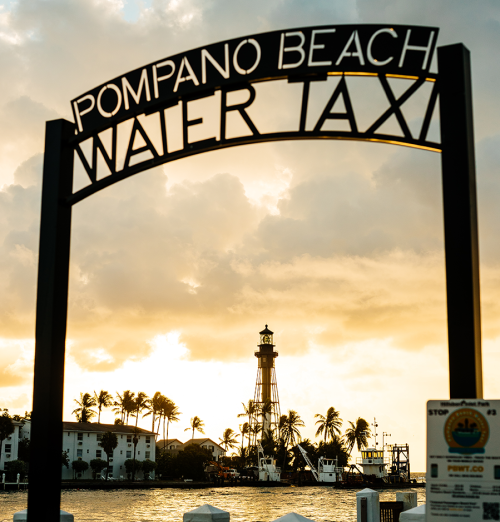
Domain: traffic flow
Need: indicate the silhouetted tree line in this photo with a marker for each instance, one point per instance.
(282, 439)
(126, 406)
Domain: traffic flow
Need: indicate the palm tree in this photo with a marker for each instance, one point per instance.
(265, 410)
(334, 448)
(154, 409)
(109, 442)
(128, 404)
(250, 410)
(245, 431)
(268, 442)
(281, 424)
(170, 412)
(119, 407)
(83, 412)
(255, 430)
(357, 434)
(329, 424)
(124, 405)
(141, 402)
(196, 424)
(103, 400)
(242, 456)
(229, 438)
(135, 440)
(290, 430)
(291, 427)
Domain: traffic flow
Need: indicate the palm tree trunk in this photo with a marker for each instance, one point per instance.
(168, 422)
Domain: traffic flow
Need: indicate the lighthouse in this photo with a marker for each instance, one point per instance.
(266, 387)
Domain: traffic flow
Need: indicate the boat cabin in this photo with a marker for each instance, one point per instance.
(328, 471)
(268, 471)
(373, 462)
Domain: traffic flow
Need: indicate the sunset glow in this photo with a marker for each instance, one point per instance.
(337, 245)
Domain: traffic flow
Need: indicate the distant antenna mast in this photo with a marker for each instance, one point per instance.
(375, 426)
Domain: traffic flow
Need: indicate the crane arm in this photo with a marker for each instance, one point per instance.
(308, 461)
(261, 450)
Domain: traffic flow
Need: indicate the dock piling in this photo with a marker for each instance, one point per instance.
(416, 514)
(409, 499)
(293, 517)
(372, 500)
(206, 513)
(64, 516)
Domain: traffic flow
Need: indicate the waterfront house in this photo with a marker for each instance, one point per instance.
(173, 446)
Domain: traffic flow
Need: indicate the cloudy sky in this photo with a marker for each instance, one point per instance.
(338, 246)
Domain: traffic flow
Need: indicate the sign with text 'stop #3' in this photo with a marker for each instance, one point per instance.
(463, 460)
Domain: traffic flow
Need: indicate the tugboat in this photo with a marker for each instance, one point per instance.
(328, 470)
(268, 471)
(380, 468)
(381, 471)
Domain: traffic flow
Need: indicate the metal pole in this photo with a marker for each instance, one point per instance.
(51, 314)
(460, 222)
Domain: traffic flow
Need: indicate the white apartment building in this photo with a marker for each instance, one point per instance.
(10, 445)
(81, 441)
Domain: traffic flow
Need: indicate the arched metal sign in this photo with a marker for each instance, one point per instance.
(298, 55)
(303, 56)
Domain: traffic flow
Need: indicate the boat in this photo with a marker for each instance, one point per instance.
(327, 471)
(268, 471)
(381, 469)
(386, 468)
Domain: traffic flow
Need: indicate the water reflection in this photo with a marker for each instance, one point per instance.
(321, 504)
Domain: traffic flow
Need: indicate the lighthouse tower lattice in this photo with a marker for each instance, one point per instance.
(266, 396)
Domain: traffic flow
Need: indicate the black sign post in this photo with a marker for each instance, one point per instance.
(460, 222)
(51, 315)
(297, 55)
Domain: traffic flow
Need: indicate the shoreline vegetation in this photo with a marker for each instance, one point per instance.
(280, 440)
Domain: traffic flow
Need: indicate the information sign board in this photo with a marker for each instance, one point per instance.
(463, 460)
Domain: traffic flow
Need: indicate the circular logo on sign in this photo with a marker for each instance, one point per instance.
(466, 431)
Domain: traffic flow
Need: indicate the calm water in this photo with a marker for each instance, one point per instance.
(321, 504)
